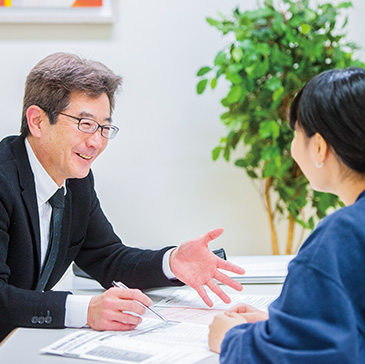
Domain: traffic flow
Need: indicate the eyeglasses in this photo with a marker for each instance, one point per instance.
(90, 126)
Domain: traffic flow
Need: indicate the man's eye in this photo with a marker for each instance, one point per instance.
(87, 124)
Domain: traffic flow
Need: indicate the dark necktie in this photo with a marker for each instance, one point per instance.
(57, 203)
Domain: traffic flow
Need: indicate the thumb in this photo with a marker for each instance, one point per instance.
(211, 235)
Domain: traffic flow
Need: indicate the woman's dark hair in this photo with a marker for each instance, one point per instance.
(50, 83)
(333, 105)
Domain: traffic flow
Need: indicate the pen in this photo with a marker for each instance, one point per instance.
(122, 285)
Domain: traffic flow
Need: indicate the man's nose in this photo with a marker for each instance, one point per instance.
(96, 140)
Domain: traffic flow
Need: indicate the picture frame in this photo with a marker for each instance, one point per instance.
(53, 12)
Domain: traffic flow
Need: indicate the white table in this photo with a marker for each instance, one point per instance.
(23, 345)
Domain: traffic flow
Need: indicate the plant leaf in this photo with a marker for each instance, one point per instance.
(201, 86)
(216, 152)
(203, 71)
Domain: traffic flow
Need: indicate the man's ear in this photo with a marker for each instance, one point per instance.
(35, 116)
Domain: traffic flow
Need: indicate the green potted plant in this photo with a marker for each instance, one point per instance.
(276, 50)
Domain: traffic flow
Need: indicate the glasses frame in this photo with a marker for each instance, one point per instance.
(113, 128)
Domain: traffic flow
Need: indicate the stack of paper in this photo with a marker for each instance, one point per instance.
(261, 269)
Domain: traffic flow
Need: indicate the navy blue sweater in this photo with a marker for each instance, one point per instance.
(320, 314)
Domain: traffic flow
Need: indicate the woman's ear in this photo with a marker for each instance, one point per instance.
(35, 116)
(321, 148)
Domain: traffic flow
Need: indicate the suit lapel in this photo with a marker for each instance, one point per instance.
(27, 185)
(26, 182)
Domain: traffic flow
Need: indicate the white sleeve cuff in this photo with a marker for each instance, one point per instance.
(76, 310)
(166, 265)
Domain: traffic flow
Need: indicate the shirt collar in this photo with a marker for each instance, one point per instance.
(45, 186)
(362, 195)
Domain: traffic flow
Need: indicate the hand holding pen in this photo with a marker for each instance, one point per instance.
(122, 285)
(117, 309)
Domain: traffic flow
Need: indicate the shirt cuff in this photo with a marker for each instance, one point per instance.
(166, 265)
(76, 310)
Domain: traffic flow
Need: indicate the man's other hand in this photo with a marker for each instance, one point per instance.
(195, 265)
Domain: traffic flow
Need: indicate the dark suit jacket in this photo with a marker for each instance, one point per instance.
(86, 238)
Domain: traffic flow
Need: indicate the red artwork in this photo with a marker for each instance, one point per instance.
(80, 3)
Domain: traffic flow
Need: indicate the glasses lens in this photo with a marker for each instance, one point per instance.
(88, 125)
(109, 131)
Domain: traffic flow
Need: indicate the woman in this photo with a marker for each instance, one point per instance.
(320, 314)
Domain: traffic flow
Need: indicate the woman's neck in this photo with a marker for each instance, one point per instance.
(350, 189)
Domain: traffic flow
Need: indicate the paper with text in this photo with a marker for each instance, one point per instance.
(184, 298)
(151, 342)
(201, 316)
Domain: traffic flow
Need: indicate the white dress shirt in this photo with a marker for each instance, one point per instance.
(76, 305)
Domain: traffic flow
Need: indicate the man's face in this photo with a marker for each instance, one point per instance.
(65, 151)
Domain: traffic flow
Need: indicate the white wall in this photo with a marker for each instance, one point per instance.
(156, 181)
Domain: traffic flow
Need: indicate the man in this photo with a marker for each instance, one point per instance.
(50, 215)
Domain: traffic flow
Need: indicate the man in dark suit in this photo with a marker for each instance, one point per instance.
(66, 124)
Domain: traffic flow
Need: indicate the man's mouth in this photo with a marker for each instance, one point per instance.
(83, 156)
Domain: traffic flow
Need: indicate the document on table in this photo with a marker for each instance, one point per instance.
(262, 269)
(152, 341)
(191, 299)
(201, 316)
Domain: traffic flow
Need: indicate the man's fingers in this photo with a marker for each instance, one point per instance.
(117, 309)
(131, 294)
(218, 291)
(211, 235)
(204, 296)
(118, 326)
(130, 306)
(224, 264)
(115, 326)
(125, 317)
(223, 278)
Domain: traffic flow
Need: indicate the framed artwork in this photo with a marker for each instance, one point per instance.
(57, 11)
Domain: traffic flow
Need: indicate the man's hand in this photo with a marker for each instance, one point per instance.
(195, 265)
(218, 328)
(113, 310)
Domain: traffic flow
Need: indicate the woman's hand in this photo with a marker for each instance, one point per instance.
(249, 313)
(237, 315)
(218, 328)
